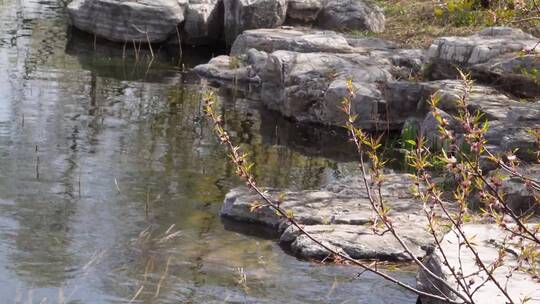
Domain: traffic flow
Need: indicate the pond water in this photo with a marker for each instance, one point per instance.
(111, 180)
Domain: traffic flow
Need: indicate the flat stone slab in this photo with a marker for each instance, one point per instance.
(290, 39)
(504, 57)
(481, 47)
(340, 215)
(487, 238)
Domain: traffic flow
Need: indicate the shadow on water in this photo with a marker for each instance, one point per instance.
(134, 61)
(250, 229)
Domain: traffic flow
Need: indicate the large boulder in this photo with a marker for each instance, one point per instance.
(362, 15)
(204, 22)
(127, 21)
(311, 86)
(299, 85)
(340, 215)
(360, 242)
(304, 10)
(509, 119)
(487, 239)
(241, 15)
(304, 73)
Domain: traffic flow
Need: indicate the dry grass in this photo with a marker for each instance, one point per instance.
(413, 23)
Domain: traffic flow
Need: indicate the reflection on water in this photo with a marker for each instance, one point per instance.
(111, 180)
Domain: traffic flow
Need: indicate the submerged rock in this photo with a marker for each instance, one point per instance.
(127, 21)
(340, 215)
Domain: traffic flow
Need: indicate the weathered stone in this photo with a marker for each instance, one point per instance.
(370, 43)
(491, 103)
(296, 84)
(517, 136)
(305, 73)
(204, 22)
(297, 40)
(351, 15)
(121, 21)
(448, 52)
(360, 242)
(509, 120)
(516, 73)
(304, 10)
(234, 70)
(241, 15)
(339, 215)
(481, 47)
(487, 239)
(429, 129)
(367, 104)
(517, 195)
(224, 69)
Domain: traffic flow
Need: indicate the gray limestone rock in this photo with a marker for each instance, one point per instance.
(304, 10)
(496, 55)
(241, 15)
(487, 238)
(362, 15)
(127, 21)
(340, 215)
(297, 40)
(203, 22)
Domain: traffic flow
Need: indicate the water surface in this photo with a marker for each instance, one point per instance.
(111, 180)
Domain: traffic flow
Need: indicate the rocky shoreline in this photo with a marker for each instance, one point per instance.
(301, 71)
(302, 74)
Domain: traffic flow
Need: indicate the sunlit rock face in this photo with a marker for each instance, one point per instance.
(203, 22)
(304, 74)
(340, 216)
(351, 15)
(290, 39)
(453, 255)
(127, 21)
(505, 57)
(241, 15)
